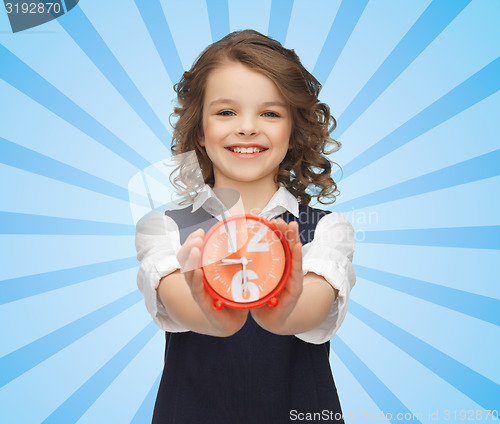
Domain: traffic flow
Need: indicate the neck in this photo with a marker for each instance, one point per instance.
(255, 195)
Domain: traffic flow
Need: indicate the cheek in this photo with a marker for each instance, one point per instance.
(282, 136)
(213, 137)
(214, 131)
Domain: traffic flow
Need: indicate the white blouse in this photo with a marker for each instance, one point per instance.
(330, 255)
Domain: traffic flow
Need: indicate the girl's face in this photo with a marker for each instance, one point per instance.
(246, 125)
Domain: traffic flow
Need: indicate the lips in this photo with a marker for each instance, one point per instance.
(246, 149)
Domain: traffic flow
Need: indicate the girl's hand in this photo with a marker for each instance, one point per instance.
(274, 319)
(225, 322)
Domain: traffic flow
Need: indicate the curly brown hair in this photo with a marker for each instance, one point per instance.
(305, 171)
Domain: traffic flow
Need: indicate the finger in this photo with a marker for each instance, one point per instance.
(295, 281)
(293, 232)
(197, 287)
(199, 233)
(297, 258)
(280, 225)
(193, 255)
(283, 228)
(194, 279)
(195, 239)
(200, 294)
(205, 301)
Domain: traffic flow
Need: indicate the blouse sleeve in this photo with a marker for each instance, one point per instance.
(157, 244)
(330, 255)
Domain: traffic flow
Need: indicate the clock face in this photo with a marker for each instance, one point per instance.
(245, 261)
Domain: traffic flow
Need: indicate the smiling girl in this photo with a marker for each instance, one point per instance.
(250, 112)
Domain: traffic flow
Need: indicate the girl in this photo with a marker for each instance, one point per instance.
(250, 112)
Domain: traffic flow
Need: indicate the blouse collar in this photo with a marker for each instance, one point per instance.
(282, 201)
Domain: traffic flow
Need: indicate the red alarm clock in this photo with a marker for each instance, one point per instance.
(246, 262)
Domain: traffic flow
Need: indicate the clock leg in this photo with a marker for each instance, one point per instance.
(273, 302)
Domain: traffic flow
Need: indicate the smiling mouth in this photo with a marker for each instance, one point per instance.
(247, 150)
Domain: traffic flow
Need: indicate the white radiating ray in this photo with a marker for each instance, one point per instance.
(171, 184)
(375, 351)
(436, 71)
(154, 188)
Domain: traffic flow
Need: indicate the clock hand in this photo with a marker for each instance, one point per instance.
(232, 261)
(244, 263)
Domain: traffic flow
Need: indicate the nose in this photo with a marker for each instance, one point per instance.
(247, 126)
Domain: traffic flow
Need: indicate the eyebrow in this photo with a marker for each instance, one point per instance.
(275, 103)
(229, 101)
(215, 102)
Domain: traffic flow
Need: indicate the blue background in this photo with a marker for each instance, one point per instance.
(84, 105)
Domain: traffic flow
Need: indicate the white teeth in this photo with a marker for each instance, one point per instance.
(245, 149)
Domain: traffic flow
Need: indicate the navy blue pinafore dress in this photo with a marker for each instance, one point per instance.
(251, 377)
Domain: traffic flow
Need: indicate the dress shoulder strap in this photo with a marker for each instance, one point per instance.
(188, 221)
